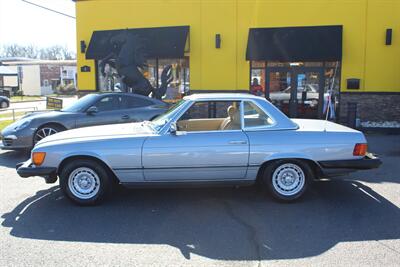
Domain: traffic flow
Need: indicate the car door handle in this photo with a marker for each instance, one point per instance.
(237, 142)
(125, 117)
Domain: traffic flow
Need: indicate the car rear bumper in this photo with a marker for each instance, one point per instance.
(340, 167)
(27, 169)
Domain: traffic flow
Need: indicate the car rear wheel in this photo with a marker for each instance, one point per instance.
(287, 180)
(85, 182)
(45, 131)
(3, 104)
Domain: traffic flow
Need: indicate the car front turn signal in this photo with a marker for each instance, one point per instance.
(38, 158)
(360, 150)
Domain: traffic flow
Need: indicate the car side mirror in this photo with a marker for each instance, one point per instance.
(173, 128)
(92, 110)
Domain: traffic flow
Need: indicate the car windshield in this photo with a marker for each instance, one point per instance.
(81, 104)
(158, 122)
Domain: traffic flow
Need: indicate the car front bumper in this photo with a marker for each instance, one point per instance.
(340, 167)
(27, 169)
(16, 140)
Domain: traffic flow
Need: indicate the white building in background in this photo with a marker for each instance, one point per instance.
(8, 80)
(68, 75)
(43, 77)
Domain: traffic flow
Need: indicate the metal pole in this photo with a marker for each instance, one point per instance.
(330, 92)
(157, 73)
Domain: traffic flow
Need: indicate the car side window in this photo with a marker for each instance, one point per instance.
(135, 102)
(108, 103)
(255, 116)
(211, 116)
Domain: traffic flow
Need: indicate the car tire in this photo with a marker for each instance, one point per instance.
(85, 182)
(45, 131)
(287, 180)
(4, 104)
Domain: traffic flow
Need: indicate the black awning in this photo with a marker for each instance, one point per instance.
(162, 42)
(291, 44)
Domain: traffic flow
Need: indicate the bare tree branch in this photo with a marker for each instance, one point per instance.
(55, 52)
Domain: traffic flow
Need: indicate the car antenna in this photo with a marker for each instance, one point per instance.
(330, 91)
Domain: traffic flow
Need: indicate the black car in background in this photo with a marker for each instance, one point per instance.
(4, 102)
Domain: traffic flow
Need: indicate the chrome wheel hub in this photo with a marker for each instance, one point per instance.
(84, 183)
(288, 179)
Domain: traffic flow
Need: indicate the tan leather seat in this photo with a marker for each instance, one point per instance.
(232, 122)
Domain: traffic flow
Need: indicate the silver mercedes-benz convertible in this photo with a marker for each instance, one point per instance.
(205, 139)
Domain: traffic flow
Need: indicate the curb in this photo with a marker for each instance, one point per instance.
(382, 130)
(14, 102)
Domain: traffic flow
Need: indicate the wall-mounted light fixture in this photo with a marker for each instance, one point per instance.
(353, 84)
(83, 46)
(218, 40)
(85, 68)
(388, 36)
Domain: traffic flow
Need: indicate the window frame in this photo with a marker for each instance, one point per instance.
(189, 102)
(212, 100)
(257, 128)
(135, 98)
(99, 100)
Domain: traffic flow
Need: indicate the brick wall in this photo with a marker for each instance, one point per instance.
(374, 107)
(49, 72)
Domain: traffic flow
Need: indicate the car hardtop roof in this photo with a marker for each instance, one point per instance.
(116, 93)
(100, 94)
(222, 96)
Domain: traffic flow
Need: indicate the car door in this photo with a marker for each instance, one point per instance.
(202, 154)
(108, 112)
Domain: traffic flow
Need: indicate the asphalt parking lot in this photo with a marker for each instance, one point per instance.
(344, 222)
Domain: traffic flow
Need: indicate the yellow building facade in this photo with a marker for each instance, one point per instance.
(370, 42)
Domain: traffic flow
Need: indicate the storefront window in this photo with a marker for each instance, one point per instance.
(331, 90)
(299, 89)
(109, 79)
(257, 81)
(180, 82)
(149, 72)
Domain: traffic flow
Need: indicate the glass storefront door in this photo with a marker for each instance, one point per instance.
(278, 87)
(297, 91)
(309, 92)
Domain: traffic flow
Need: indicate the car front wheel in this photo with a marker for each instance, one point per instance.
(45, 131)
(287, 180)
(85, 182)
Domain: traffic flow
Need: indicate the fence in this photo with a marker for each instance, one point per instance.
(15, 113)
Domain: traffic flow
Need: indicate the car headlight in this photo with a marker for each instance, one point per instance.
(21, 124)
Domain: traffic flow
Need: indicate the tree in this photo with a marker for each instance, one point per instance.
(67, 54)
(31, 51)
(13, 50)
(55, 52)
(52, 52)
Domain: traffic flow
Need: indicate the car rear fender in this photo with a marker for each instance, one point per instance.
(281, 156)
(291, 155)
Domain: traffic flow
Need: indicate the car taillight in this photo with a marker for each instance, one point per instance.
(38, 158)
(360, 149)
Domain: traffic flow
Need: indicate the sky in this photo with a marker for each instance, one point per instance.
(26, 24)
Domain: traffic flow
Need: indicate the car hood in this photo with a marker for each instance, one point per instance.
(45, 114)
(99, 132)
